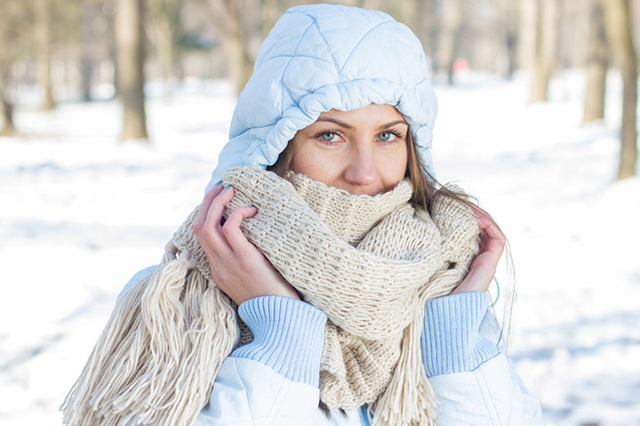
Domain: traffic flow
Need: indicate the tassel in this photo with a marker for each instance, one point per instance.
(153, 364)
(408, 400)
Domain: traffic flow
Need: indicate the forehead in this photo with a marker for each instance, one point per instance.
(372, 113)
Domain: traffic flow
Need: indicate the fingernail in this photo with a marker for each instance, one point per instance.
(226, 187)
(219, 182)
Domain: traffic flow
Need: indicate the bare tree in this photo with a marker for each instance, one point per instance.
(596, 64)
(453, 16)
(164, 32)
(528, 32)
(44, 40)
(619, 32)
(241, 25)
(6, 111)
(507, 11)
(130, 54)
(89, 18)
(540, 21)
(423, 23)
(15, 34)
(270, 14)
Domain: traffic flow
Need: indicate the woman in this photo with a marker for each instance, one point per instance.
(352, 279)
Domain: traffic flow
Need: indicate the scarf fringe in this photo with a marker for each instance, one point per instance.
(157, 359)
(409, 398)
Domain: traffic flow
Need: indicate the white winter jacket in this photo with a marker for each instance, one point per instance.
(318, 58)
(264, 383)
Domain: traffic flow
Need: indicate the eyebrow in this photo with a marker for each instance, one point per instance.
(338, 122)
(348, 126)
(393, 123)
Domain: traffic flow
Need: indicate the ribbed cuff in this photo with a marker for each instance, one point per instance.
(288, 336)
(451, 341)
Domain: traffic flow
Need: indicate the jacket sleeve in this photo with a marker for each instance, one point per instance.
(274, 379)
(474, 383)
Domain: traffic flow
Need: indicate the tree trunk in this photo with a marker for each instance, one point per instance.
(44, 37)
(241, 24)
(87, 61)
(596, 64)
(131, 68)
(619, 32)
(112, 48)
(527, 41)
(270, 13)
(511, 38)
(6, 112)
(236, 42)
(452, 19)
(233, 47)
(421, 25)
(164, 40)
(164, 20)
(547, 17)
(407, 12)
(167, 56)
(507, 11)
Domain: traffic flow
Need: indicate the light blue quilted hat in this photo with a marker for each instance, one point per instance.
(322, 57)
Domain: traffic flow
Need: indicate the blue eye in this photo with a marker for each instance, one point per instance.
(386, 136)
(329, 136)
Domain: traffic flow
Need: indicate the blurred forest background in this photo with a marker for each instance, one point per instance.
(61, 50)
(113, 113)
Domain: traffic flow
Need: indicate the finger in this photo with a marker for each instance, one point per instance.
(204, 206)
(216, 209)
(212, 226)
(479, 212)
(491, 231)
(487, 224)
(236, 239)
(494, 239)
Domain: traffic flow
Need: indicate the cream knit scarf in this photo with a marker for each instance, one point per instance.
(370, 263)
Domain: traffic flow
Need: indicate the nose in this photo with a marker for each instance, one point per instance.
(361, 170)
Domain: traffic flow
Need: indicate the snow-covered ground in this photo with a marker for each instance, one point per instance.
(80, 213)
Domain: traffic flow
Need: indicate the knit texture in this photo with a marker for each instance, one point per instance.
(369, 263)
(451, 342)
(288, 336)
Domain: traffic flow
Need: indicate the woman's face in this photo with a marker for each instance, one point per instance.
(363, 151)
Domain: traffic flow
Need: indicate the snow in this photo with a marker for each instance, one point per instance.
(80, 213)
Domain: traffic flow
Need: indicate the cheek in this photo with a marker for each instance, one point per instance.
(394, 166)
(312, 163)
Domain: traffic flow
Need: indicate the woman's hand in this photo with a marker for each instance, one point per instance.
(484, 265)
(237, 267)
